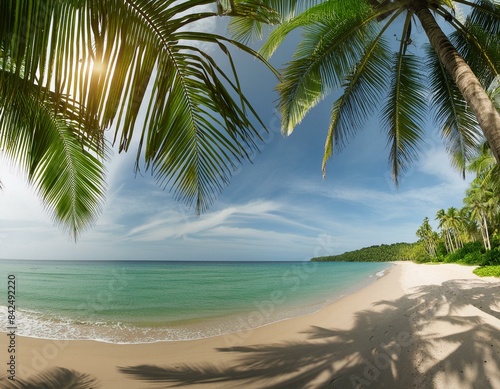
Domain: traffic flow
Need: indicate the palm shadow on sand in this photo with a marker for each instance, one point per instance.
(55, 378)
(384, 349)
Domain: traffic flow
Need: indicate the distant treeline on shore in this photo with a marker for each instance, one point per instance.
(380, 253)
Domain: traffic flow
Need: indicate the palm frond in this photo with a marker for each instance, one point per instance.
(459, 127)
(63, 164)
(364, 89)
(332, 44)
(480, 49)
(265, 13)
(404, 113)
(486, 15)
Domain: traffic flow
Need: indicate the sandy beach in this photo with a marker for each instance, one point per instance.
(419, 326)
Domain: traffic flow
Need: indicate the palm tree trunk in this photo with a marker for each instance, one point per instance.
(467, 82)
(451, 241)
(481, 227)
(487, 235)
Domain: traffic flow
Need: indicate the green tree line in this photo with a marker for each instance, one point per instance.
(471, 234)
(377, 253)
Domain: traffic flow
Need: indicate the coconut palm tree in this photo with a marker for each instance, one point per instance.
(445, 227)
(428, 236)
(146, 71)
(455, 226)
(483, 205)
(349, 48)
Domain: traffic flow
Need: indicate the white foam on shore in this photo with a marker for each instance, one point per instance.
(33, 324)
(380, 273)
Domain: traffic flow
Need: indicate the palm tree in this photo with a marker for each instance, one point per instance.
(455, 226)
(469, 231)
(346, 47)
(71, 69)
(428, 236)
(444, 224)
(483, 205)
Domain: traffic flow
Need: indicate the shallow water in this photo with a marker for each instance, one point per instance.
(138, 301)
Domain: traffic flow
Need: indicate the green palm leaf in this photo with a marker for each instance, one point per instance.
(332, 43)
(268, 12)
(363, 91)
(332, 56)
(460, 129)
(63, 164)
(404, 113)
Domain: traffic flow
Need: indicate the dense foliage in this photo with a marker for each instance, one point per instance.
(470, 235)
(381, 253)
(488, 271)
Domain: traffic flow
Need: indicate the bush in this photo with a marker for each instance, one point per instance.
(475, 258)
(470, 254)
(492, 257)
(487, 271)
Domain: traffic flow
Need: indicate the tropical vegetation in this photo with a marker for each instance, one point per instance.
(471, 234)
(376, 253)
(70, 70)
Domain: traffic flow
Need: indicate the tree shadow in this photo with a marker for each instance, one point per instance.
(55, 378)
(398, 345)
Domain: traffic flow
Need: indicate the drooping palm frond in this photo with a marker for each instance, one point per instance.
(485, 13)
(403, 115)
(364, 89)
(136, 66)
(273, 12)
(317, 68)
(460, 129)
(64, 165)
(480, 49)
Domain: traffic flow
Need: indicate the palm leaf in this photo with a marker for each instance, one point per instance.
(404, 113)
(267, 12)
(460, 129)
(332, 44)
(63, 164)
(486, 15)
(363, 91)
(480, 49)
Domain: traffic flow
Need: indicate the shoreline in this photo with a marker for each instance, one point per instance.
(416, 326)
(260, 313)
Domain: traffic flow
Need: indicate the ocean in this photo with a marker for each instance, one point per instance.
(150, 301)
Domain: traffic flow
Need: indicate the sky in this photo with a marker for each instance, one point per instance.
(277, 208)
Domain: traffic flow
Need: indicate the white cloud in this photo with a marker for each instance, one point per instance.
(174, 224)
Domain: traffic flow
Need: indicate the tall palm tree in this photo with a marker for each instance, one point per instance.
(428, 236)
(71, 69)
(348, 46)
(444, 226)
(483, 205)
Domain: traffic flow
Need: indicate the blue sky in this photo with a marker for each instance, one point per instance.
(276, 208)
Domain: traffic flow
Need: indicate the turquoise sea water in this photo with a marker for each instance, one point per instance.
(135, 302)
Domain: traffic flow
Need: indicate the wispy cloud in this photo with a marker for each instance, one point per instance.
(174, 224)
